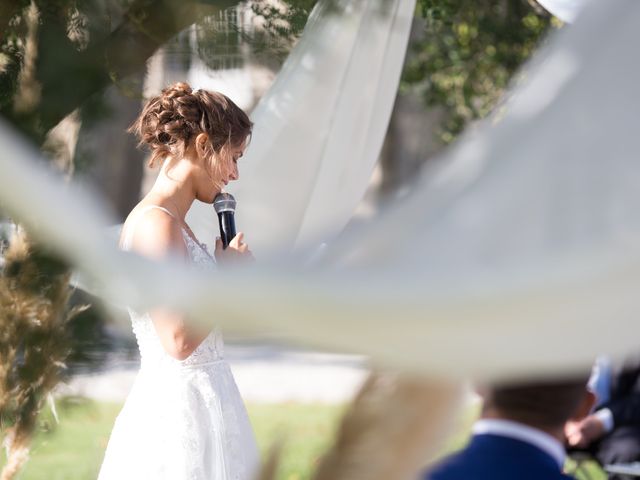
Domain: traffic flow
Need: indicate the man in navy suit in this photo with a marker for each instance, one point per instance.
(520, 435)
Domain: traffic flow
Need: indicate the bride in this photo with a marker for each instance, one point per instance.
(184, 418)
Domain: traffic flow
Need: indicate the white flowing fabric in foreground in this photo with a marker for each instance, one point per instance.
(519, 257)
(320, 127)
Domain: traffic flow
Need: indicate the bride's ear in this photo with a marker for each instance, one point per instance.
(202, 145)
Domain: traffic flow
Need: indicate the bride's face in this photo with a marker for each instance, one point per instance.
(217, 170)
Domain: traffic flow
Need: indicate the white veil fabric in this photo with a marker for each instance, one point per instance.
(319, 129)
(518, 257)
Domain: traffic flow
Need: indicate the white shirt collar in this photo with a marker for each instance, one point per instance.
(518, 431)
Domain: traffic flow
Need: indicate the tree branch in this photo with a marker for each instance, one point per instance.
(69, 77)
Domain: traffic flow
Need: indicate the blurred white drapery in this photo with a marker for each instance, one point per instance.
(520, 256)
(320, 127)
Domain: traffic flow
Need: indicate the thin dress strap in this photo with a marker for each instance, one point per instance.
(127, 238)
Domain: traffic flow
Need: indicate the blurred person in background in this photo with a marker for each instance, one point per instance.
(611, 434)
(520, 434)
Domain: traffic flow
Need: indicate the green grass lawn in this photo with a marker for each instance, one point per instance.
(73, 449)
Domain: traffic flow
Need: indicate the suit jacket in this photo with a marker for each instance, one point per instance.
(494, 457)
(624, 401)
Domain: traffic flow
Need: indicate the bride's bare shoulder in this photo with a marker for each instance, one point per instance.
(154, 232)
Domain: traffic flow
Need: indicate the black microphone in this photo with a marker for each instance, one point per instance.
(225, 206)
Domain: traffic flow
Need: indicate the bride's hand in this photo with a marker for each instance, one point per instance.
(236, 252)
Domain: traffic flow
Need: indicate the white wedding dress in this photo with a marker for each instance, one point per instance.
(182, 420)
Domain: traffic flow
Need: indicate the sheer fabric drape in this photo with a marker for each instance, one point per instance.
(516, 256)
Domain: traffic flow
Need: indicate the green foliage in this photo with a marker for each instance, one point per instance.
(79, 47)
(469, 53)
(286, 20)
(226, 39)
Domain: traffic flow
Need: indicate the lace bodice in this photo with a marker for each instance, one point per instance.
(152, 354)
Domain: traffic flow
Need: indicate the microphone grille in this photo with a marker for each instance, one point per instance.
(224, 202)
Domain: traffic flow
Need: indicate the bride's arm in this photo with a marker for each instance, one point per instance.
(159, 236)
(176, 339)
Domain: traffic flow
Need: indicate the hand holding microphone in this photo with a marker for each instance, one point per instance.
(229, 246)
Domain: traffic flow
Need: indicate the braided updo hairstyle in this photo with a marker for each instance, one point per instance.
(171, 120)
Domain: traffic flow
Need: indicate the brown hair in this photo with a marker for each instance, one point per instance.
(540, 403)
(169, 121)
